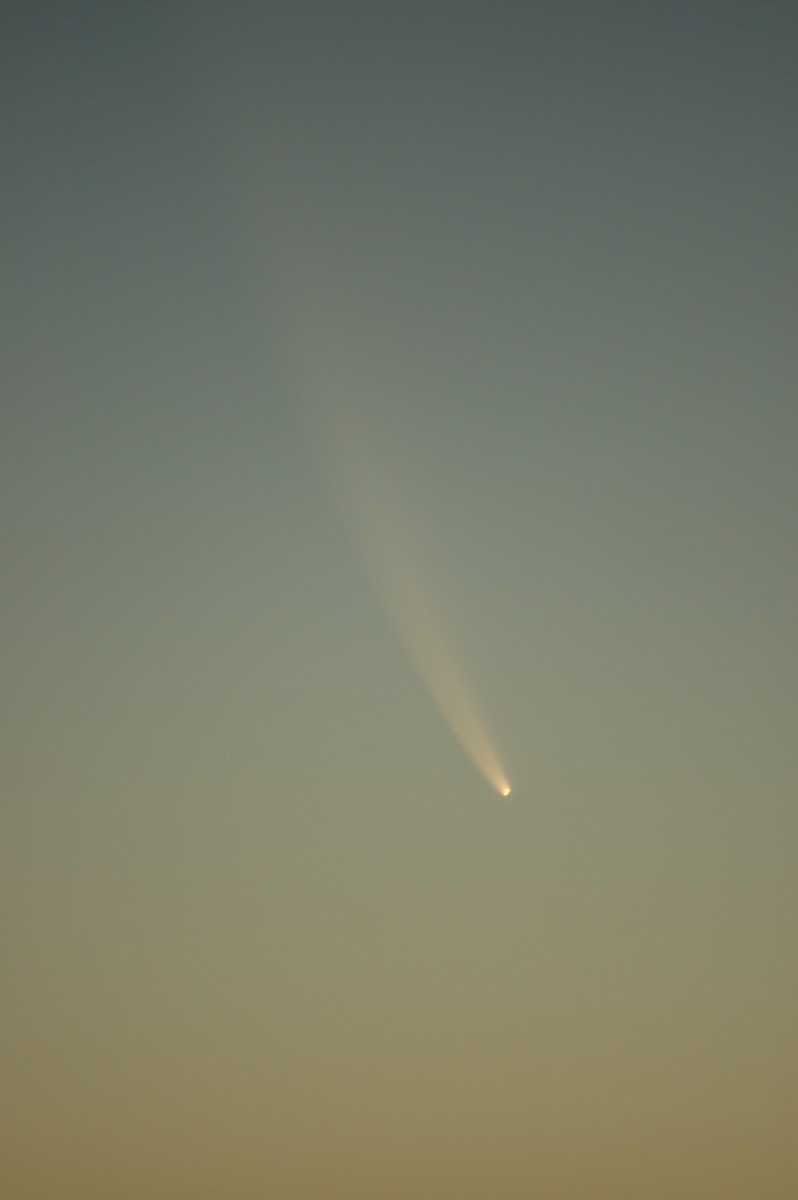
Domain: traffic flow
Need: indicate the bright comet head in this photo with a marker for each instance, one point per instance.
(506, 790)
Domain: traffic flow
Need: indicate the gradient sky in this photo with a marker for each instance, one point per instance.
(268, 932)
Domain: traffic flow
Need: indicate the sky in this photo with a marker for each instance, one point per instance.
(358, 357)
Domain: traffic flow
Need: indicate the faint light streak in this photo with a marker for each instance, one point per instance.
(372, 516)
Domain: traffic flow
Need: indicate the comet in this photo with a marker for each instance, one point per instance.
(372, 515)
(318, 341)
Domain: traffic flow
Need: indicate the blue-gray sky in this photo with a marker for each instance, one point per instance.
(270, 932)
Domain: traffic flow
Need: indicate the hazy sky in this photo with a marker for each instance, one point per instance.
(268, 931)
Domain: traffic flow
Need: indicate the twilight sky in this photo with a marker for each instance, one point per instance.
(296, 295)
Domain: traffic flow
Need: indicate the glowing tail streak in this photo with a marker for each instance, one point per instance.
(378, 532)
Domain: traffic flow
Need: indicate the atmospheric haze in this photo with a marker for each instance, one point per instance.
(521, 279)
